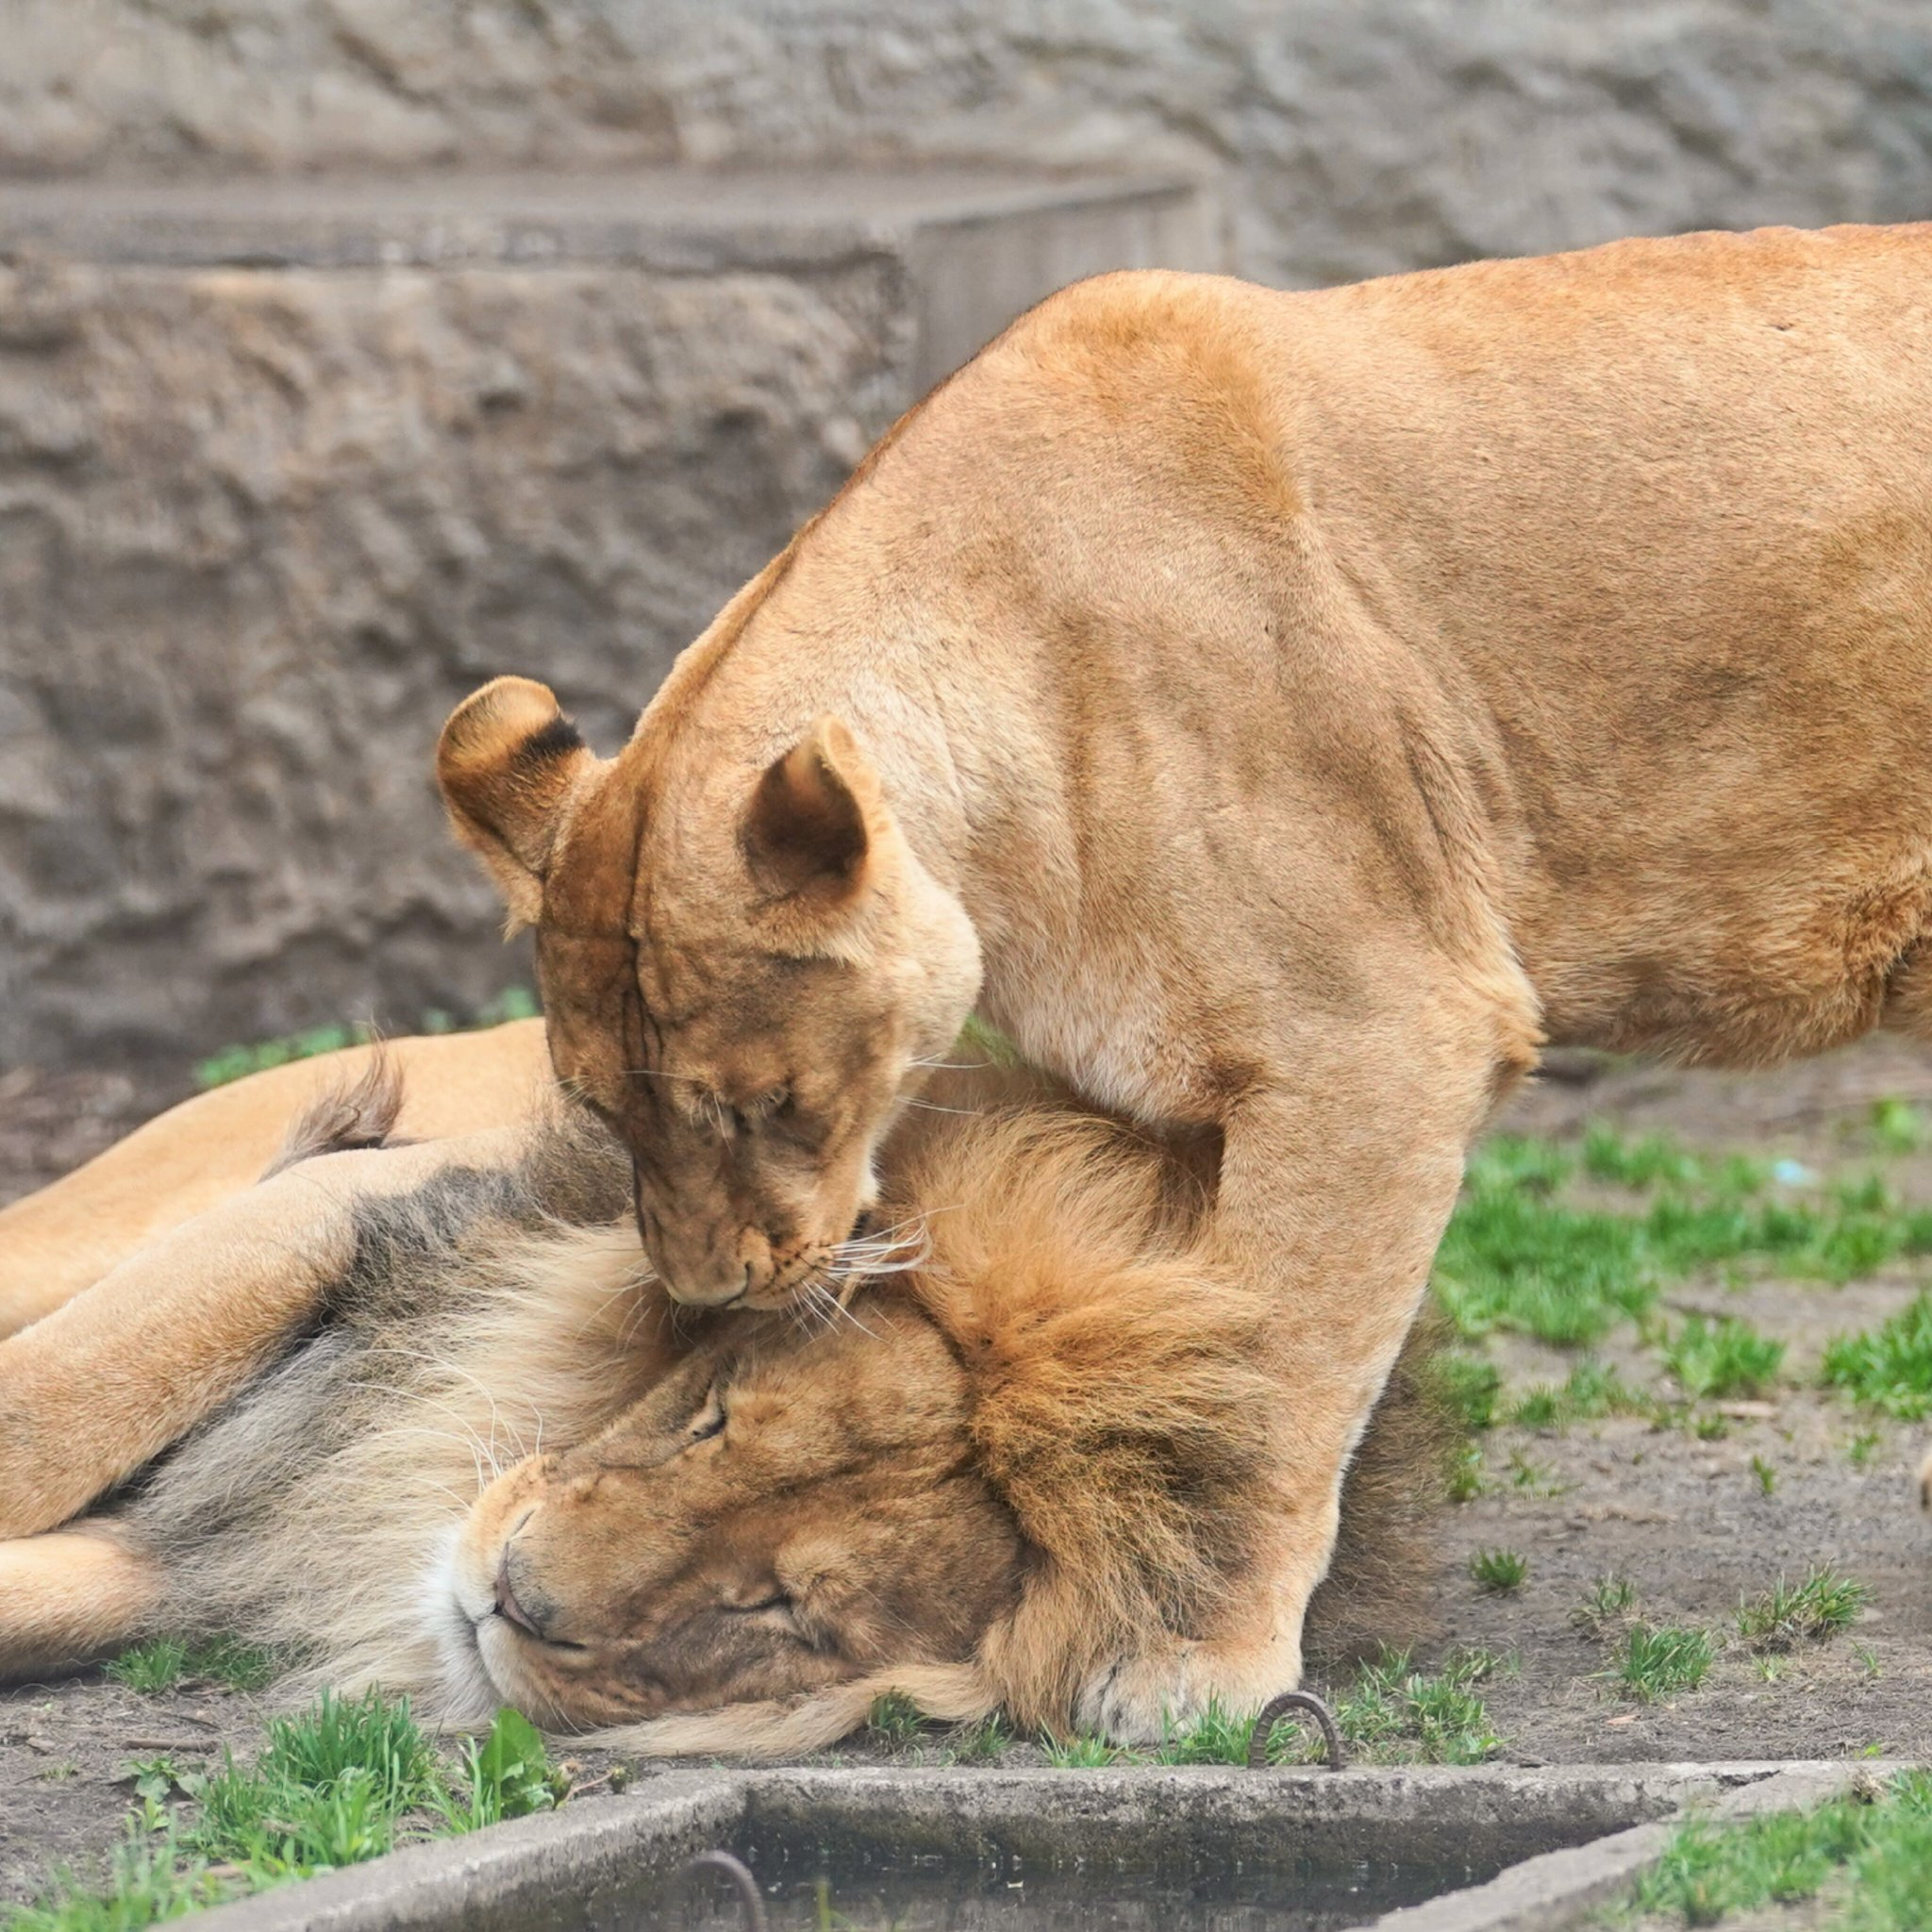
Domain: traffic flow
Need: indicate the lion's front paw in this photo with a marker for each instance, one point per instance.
(1146, 1698)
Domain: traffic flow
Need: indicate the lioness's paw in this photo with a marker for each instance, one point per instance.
(1146, 1698)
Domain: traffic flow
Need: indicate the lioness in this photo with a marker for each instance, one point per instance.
(1281, 714)
(969, 1484)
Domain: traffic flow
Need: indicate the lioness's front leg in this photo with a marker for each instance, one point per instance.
(1337, 1176)
(108, 1380)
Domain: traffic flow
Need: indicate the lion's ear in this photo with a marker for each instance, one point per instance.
(507, 764)
(808, 834)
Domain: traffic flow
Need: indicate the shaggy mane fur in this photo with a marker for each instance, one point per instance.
(1120, 1403)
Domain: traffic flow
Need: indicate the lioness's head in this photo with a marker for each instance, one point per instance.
(744, 987)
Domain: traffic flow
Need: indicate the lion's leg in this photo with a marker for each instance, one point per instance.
(1337, 1179)
(188, 1160)
(108, 1380)
(71, 1597)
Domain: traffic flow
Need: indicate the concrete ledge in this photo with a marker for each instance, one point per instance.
(1559, 1888)
(290, 467)
(602, 1862)
(979, 247)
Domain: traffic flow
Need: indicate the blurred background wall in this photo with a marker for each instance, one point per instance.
(352, 351)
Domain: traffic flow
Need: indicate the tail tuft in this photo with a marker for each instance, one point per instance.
(347, 1115)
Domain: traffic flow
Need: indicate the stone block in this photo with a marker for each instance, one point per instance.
(286, 468)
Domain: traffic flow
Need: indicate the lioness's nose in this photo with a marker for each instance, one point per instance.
(716, 1276)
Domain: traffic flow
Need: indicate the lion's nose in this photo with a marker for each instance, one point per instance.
(507, 1605)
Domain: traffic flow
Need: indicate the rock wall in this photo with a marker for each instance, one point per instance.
(1355, 136)
(288, 460)
(262, 525)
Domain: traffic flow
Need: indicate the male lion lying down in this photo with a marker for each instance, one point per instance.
(477, 1459)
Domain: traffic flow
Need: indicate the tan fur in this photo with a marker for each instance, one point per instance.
(985, 1474)
(1280, 713)
(67, 1236)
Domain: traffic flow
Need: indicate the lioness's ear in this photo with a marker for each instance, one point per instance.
(505, 764)
(808, 830)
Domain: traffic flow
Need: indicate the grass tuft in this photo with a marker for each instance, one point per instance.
(1082, 1751)
(895, 1719)
(344, 1782)
(1877, 1858)
(1788, 1614)
(1469, 1388)
(1499, 1572)
(1591, 1391)
(1721, 1359)
(166, 1663)
(1610, 1600)
(1889, 1367)
(1658, 1661)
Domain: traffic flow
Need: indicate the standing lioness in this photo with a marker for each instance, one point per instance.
(1281, 714)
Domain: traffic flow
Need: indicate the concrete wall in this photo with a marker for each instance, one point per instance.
(290, 457)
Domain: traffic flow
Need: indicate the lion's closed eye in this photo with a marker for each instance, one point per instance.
(711, 1418)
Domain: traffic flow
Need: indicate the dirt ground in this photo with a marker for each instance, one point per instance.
(1688, 1521)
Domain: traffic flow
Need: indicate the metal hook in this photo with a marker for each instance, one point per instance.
(750, 1901)
(1279, 1707)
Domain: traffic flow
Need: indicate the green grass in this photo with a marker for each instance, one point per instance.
(1395, 1713)
(1499, 1572)
(1081, 1751)
(1469, 1388)
(165, 1663)
(1719, 1360)
(1875, 1859)
(1464, 1479)
(344, 1782)
(1588, 1393)
(983, 1742)
(1897, 1126)
(1788, 1614)
(1765, 1477)
(895, 1719)
(1890, 1367)
(1532, 1249)
(1658, 1661)
(1610, 1600)
(256, 1057)
(1392, 1713)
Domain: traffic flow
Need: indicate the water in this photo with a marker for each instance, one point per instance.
(828, 1893)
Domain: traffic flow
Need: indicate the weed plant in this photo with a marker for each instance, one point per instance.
(166, 1663)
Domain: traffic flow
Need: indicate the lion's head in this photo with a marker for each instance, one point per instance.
(985, 1476)
(773, 1519)
(744, 989)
